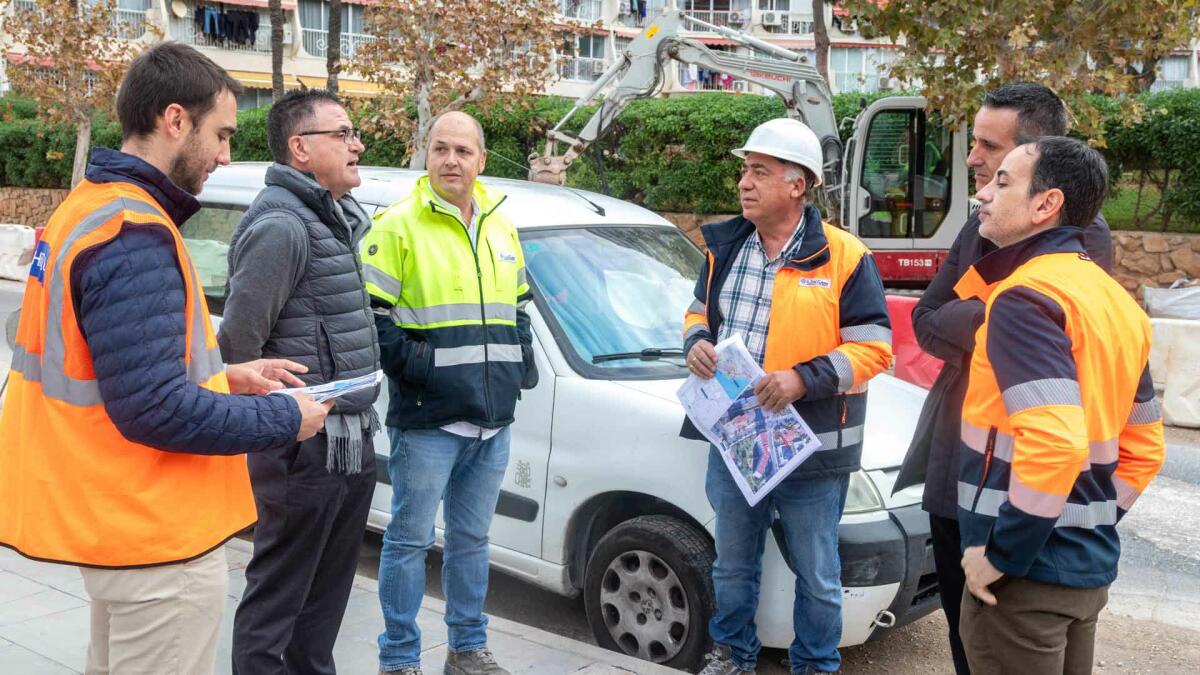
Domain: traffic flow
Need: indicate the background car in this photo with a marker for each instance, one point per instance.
(602, 497)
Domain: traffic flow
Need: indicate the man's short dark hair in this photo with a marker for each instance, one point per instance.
(288, 114)
(1079, 171)
(1040, 112)
(164, 74)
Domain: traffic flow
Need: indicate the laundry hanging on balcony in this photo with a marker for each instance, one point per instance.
(233, 26)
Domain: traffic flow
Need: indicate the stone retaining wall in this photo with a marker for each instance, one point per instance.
(1154, 259)
(1139, 258)
(29, 206)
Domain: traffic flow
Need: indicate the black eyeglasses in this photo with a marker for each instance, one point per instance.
(348, 136)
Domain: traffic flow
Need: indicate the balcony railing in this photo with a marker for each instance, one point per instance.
(316, 42)
(583, 10)
(790, 23)
(581, 68)
(708, 81)
(632, 21)
(128, 24)
(726, 18)
(184, 30)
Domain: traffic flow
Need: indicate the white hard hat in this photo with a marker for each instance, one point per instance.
(787, 139)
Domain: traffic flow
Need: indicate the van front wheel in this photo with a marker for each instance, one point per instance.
(648, 591)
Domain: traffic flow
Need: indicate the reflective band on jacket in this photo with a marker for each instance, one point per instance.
(849, 436)
(467, 311)
(457, 356)
(1088, 516)
(386, 282)
(866, 333)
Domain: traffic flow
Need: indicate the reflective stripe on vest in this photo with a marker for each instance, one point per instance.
(49, 370)
(76, 490)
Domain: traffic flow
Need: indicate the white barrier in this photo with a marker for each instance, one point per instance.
(1175, 368)
(16, 251)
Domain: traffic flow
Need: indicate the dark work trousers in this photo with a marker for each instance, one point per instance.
(1034, 628)
(306, 544)
(947, 559)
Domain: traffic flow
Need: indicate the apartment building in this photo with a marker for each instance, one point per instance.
(236, 34)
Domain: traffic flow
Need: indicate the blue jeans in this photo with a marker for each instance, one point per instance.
(809, 509)
(426, 466)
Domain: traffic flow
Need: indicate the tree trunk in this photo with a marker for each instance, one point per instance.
(277, 19)
(821, 33)
(83, 142)
(333, 48)
(420, 137)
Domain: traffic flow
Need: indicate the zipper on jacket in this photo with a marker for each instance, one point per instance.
(487, 378)
(989, 450)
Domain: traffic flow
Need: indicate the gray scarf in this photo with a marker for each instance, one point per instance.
(346, 436)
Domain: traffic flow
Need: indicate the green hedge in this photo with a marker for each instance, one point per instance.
(673, 154)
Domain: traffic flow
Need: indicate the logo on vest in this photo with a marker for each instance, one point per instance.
(816, 283)
(507, 257)
(41, 256)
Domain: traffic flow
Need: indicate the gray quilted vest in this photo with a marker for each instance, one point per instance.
(327, 324)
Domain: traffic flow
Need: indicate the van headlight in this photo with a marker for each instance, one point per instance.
(863, 496)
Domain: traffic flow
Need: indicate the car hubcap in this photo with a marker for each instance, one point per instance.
(644, 606)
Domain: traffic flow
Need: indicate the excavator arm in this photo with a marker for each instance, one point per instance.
(641, 71)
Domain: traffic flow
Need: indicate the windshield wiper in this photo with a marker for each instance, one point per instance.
(648, 354)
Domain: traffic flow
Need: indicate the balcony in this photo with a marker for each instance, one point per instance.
(708, 81)
(184, 30)
(735, 19)
(580, 10)
(581, 68)
(316, 42)
(128, 24)
(789, 23)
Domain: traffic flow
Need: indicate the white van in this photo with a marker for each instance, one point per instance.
(602, 497)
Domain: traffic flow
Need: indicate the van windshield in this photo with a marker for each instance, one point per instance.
(615, 296)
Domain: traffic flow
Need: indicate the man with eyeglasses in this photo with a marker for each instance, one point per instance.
(297, 290)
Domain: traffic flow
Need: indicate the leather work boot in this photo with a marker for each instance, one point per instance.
(475, 662)
(720, 662)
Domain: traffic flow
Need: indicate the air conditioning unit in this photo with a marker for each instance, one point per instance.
(598, 67)
(885, 83)
(772, 19)
(739, 17)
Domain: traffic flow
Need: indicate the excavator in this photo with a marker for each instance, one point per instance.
(900, 184)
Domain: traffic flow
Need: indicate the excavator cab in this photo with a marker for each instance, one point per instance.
(904, 177)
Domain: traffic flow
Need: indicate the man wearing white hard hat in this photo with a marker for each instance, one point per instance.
(807, 299)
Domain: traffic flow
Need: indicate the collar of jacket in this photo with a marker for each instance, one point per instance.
(486, 199)
(983, 277)
(318, 198)
(114, 166)
(727, 237)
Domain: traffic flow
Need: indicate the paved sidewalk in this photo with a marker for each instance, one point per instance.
(44, 628)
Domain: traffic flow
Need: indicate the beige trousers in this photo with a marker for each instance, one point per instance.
(160, 620)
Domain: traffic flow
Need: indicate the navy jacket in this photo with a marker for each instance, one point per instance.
(130, 299)
(832, 406)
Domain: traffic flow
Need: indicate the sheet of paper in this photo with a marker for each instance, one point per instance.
(324, 392)
(759, 448)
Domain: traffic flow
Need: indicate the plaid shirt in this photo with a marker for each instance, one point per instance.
(745, 300)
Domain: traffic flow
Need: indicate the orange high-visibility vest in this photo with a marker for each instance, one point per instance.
(73, 489)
